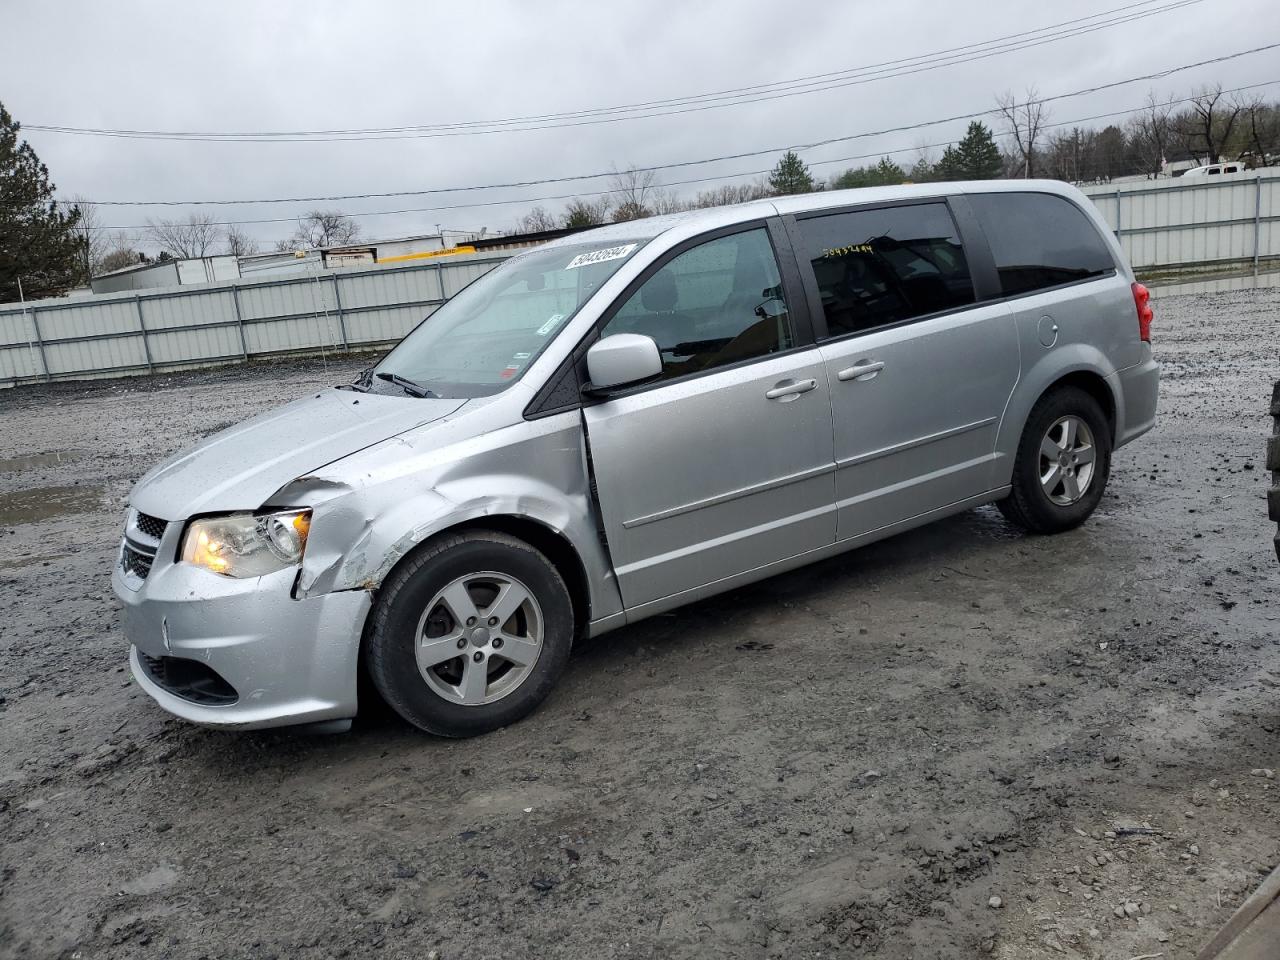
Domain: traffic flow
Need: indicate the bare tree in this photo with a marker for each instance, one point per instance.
(633, 192)
(1150, 132)
(664, 201)
(1207, 126)
(193, 237)
(586, 213)
(322, 228)
(537, 220)
(1262, 127)
(1025, 123)
(239, 243)
(95, 241)
(730, 193)
(121, 255)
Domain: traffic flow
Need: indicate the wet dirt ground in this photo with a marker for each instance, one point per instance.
(959, 742)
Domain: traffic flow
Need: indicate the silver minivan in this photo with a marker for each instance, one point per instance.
(627, 420)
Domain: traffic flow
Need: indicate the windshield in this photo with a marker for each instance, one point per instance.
(480, 342)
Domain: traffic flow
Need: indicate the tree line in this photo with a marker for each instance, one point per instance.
(1211, 127)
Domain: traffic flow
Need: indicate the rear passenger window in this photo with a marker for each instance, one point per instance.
(1039, 240)
(879, 267)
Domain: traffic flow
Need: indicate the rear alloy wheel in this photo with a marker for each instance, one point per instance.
(1067, 460)
(1061, 467)
(470, 634)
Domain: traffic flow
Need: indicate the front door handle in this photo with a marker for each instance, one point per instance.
(864, 370)
(790, 389)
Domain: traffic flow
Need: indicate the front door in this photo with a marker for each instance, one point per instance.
(919, 373)
(724, 464)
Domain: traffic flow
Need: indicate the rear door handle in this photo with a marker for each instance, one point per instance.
(789, 389)
(861, 371)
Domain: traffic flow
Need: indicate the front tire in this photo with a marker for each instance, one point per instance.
(470, 634)
(1063, 461)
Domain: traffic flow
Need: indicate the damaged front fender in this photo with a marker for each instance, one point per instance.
(376, 507)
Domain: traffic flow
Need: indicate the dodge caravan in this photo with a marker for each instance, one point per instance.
(627, 420)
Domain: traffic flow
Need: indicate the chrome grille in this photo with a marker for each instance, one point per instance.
(142, 534)
(152, 527)
(135, 561)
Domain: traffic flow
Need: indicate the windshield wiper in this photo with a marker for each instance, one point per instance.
(411, 387)
(361, 383)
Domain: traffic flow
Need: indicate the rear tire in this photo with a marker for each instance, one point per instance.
(1062, 464)
(470, 634)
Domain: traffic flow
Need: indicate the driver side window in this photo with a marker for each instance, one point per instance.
(718, 303)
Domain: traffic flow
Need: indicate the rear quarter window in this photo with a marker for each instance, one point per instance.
(1039, 240)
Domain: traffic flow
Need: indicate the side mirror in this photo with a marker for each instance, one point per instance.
(772, 309)
(622, 360)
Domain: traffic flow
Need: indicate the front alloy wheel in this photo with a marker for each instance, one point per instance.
(479, 638)
(469, 633)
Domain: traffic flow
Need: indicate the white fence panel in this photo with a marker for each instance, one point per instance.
(68, 358)
(1229, 221)
(172, 347)
(19, 353)
(386, 324)
(388, 287)
(178, 328)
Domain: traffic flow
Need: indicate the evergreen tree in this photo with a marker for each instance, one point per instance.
(922, 171)
(791, 175)
(975, 157)
(978, 154)
(37, 242)
(951, 166)
(884, 173)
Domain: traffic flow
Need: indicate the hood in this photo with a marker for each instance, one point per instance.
(242, 466)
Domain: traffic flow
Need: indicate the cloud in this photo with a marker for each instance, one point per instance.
(288, 66)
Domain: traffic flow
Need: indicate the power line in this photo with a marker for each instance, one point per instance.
(662, 108)
(707, 179)
(684, 163)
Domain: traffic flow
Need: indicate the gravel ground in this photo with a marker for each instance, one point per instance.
(955, 743)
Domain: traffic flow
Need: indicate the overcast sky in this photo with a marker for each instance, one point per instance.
(255, 66)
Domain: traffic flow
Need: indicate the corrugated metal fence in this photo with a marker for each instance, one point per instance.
(175, 328)
(1231, 221)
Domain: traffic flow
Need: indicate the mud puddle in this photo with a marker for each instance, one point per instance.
(48, 503)
(34, 461)
(18, 563)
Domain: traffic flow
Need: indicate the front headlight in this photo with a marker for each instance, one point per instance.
(246, 544)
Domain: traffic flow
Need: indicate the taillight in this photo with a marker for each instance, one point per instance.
(1142, 300)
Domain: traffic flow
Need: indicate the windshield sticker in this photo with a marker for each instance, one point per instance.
(600, 256)
(550, 325)
(512, 368)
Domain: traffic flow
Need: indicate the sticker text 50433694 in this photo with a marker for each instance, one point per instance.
(600, 256)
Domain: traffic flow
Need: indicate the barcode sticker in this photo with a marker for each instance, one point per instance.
(600, 256)
(550, 325)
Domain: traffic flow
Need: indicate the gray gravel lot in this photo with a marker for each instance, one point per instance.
(922, 748)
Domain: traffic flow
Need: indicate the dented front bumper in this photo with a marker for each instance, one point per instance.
(288, 661)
